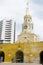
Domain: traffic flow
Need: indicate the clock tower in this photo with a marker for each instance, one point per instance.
(27, 34)
(27, 25)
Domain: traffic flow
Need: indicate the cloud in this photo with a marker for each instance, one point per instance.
(39, 2)
(36, 9)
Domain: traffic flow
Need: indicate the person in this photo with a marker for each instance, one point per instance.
(12, 59)
(42, 63)
(1, 59)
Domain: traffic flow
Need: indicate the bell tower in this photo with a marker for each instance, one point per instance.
(27, 25)
(27, 34)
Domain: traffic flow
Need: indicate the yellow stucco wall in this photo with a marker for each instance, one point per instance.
(31, 50)
(10, 50)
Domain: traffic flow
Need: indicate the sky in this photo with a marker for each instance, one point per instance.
(16, 9)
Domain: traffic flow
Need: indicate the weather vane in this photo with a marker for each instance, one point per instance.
(27, 8)
(27, 2)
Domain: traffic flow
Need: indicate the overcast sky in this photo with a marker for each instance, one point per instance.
(15, 9)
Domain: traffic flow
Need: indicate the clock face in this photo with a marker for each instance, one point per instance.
(25, 27)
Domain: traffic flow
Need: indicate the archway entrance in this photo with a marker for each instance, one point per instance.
(19, 56)
(2, 56)
(41, 57)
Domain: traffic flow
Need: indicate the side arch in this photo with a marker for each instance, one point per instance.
(41, 57)
(2, 56)
(19, 56)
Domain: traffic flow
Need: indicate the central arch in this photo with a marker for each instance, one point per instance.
(19, 56)
(2, 56)
(41, 57)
